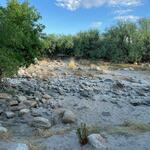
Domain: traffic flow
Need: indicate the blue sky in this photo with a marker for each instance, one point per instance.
(71, 16)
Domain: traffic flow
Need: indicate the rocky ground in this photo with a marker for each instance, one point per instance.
(41, 108)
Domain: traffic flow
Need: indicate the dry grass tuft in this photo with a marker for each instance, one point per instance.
(137, 126)
(5, 136)
(72, 64)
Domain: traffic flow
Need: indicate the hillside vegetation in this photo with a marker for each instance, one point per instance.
(22, 40)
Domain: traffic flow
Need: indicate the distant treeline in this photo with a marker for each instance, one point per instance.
(22, 40)
(125, 42)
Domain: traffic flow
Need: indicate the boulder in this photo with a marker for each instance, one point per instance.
(9, 114)
(22, 98)
(31, 103)
(97, 141)
(13, 103)
(5, 96)
(68, 117)
(24, 111)
(41, 122)
(3, 130)
(46, 96)
(18, 107)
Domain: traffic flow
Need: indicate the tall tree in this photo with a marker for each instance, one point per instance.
(144, 29)
(20, 31)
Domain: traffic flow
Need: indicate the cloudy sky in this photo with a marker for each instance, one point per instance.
(71, 16)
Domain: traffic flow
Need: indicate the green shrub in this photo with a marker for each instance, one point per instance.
(20, 35)
(125, 42)
(9, 62)
(58, 44)
(87, 43)
(144, 29)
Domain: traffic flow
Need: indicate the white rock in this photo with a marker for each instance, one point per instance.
(68, 117)
(22, 98)
(46, 96)
(34, 74)
(24, 111)
(3, 130)
(132, 69)
(97, 141)
(9, 114)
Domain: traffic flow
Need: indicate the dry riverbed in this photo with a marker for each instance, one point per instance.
(41, 108)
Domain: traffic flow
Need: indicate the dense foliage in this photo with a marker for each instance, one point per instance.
(19, 35)
(21, 40)
(56, 44)
(125, 42)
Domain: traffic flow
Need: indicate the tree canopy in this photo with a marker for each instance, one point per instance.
(20, 34)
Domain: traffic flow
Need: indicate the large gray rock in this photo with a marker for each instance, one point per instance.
(68, 117)
(41, 122)
(30, 103)
(140, 102)
(97, 141)
(9, 114)
(13, 103)
(5, 96)
(46, 96)
(23, 112)
(3, 130)
(40, 111)
(22, 98)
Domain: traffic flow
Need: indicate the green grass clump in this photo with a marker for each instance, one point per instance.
(82, 133)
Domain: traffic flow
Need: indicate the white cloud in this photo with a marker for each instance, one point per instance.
(75, 4)
(122, 11)
(125, 2)
(127, 18)
(68, 4)
(96, 24)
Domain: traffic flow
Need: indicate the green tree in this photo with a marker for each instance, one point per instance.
(20, 32)
(86, 44)
(122, 43)
(65, 44)
(144, 29)
(58, 44)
